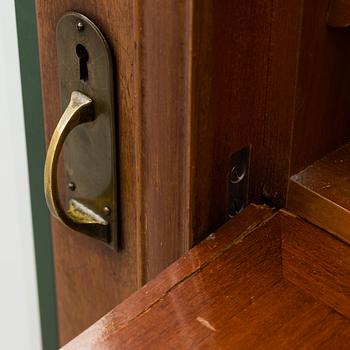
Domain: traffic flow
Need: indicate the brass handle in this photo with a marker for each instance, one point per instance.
(78, 216)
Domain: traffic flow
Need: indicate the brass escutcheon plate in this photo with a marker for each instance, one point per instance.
(85, 65)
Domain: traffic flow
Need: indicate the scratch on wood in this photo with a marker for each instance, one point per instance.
(215, 256)
(205, 323)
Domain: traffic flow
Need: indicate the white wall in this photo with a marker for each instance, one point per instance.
(19, 310)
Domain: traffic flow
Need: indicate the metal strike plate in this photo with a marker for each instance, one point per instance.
(238, 181)
(85, 65)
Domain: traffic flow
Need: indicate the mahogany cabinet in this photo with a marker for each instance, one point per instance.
(196, 81)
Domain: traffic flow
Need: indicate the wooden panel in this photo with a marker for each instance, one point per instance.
(339, 13)
(197, 81)
(230, 57)
(245, 65)
(229, 292)
(322, 114)
(321, 193)
(204, 216)
(317, 262)
(241, 47)
(165, 65)
(242, 35)
(91, 278)
(277, 134)
(271, 74)
(151, 49)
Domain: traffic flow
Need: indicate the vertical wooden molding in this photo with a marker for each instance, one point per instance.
(166, 122)
(281, 105)
(140, 239)
(202, 119)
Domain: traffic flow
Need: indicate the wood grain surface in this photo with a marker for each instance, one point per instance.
(321, 193)
(231, 48)
(250, 292)
(150, 43)
(165, 73)
(196, 82)
(321, 121)
(90, 277)
(269, 74)
(339, 13)
(317, 262)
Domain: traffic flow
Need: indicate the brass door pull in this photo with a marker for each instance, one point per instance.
(85, 133)
(78, 216)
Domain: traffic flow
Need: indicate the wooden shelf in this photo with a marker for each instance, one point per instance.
(321, 193)
(265, 280)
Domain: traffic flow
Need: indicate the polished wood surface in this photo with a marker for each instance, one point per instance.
(175, 135)
(244, 77)
(244, 287)
(151, 52)
(322, 109)
(339, 13)
(165, 77)
(272, 75)
(281, 101)
(317, 263)
(90, 277)
(321, 193)
(196, 82)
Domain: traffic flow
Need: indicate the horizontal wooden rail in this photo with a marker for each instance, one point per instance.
(321, 193)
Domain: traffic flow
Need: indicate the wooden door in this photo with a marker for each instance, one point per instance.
(151, 49)
(196, 81)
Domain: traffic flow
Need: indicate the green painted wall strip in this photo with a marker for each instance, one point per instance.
(32, 103)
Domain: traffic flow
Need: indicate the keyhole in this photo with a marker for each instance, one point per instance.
(83, 56)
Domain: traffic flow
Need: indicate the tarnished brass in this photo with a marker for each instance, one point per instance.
(77, 217)
(86, 132)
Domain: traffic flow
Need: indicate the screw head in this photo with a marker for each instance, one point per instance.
(71, 186)
(107, 210)
(80, 26)
(238, 172)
